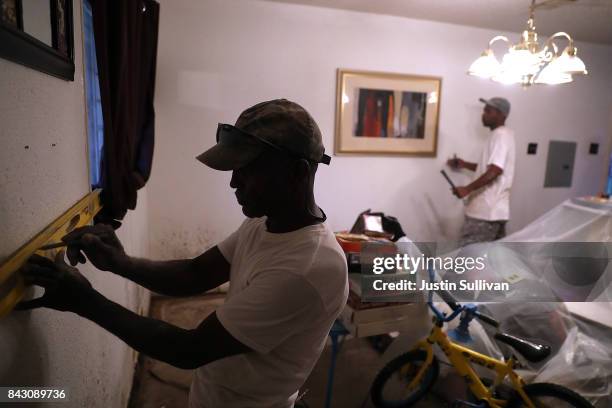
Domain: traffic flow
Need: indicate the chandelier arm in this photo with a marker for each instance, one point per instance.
(498, 38)
(494, 40)
(547, 55)
(560, 34)
(569, 38)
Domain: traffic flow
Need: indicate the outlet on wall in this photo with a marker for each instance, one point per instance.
(532, 148)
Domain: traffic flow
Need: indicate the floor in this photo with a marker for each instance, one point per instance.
(158, 385)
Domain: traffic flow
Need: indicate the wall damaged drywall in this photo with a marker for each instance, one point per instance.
(43, 172)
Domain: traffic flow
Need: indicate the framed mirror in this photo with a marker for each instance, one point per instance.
(39, 35)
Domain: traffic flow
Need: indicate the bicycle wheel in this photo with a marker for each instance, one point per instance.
(544, 395)
(389, 389)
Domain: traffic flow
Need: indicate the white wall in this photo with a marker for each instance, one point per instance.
(43, 172)
(218, 57)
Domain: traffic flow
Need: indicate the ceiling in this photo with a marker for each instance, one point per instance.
(584, 20)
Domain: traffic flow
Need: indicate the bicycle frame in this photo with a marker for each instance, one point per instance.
(460, 357)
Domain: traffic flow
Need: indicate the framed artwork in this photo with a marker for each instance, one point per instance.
(11, 13)
(21, 46)
(60, 26)
(384, 113)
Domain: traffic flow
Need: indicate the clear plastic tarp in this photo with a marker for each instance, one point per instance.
(563, 256)
(577, 220)
(581, 357)
(582, 348)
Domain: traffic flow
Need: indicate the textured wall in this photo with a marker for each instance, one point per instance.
(243, 52)
(43, 159)
(48, 348)
(43, 171)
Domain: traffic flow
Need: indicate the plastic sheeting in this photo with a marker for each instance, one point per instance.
(591, 367)
(562, 256)
(576, 220)
(581, 357)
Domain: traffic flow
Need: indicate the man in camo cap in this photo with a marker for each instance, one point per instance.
(288, 277)
(287, 273)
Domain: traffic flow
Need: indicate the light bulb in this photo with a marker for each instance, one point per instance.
(521, 62)
(571, 64)
(553, 75)
(508, 78)
(485, 66)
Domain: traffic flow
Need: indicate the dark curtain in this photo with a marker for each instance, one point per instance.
(126, 48)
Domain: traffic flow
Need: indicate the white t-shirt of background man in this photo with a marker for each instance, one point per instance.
(285, 292)
(492, 202)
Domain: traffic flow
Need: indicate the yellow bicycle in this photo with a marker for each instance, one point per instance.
(412, 374)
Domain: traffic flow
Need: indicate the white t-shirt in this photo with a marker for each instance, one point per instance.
(285, 292)
(492, 202)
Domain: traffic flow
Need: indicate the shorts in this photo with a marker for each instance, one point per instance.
(475, 230)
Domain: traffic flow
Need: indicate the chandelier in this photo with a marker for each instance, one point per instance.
(527, 63)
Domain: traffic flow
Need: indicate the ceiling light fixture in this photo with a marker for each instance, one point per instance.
(527, 63)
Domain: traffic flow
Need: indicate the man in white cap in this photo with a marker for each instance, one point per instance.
(488, 196)
(287, 273)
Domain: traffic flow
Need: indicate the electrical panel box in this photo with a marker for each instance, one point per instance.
(560, 164)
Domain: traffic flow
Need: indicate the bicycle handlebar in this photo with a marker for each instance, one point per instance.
(452, 303)
(449, 299)
(456, 307)
(487, 319)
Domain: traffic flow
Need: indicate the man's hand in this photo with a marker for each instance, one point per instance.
(99, 243)
(461, 192)
(456, 163)
(65, 288)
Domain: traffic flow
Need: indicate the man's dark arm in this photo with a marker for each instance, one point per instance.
(457, 164)
(99, 244)
(66, 289)
(470, 166)
(486, 178)
(177, 278)
(187, 349)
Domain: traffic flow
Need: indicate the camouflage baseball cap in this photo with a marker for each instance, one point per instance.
(278, 123)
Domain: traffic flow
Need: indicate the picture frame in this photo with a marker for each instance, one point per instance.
(18, 46)
(11, 13)
(380, 113)
(61, 29)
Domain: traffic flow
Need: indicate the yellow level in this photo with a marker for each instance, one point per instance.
(78, 215)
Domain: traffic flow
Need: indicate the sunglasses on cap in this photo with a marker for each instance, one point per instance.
(232, 135)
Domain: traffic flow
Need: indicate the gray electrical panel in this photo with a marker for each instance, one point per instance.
(560, 164)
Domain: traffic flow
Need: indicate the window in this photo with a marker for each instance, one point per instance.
(609, 184)
(95, 122)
